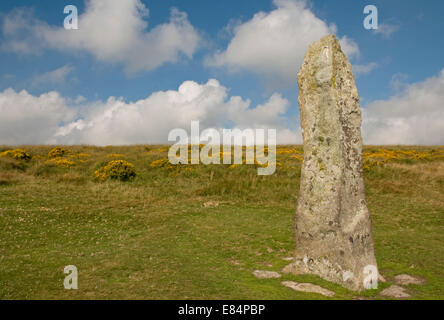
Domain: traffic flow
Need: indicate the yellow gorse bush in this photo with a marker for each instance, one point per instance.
(289, 157)
(116, 155)
(297, 157)
(165, 164)
(80, 156)
(154, 151)
(373, 157)
(380, 157)
(61, 162)
(17, 154)
(161, 163)
(288, 151)
(263, 163)
(117, 169)
(57, 152)
(160, 150)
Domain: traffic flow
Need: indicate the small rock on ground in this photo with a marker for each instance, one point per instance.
(287, 258)
(405, 279)
(308, 287)
(395, 291)
(211, 204)
(261, 274)
(381, 278)
(363, 298)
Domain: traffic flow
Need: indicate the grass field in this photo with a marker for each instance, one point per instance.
(198, 232)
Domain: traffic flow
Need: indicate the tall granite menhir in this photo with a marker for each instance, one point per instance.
(333, 227)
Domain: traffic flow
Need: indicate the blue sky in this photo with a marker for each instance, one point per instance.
(394, 65)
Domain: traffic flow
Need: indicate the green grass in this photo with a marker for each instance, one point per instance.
(152, 238)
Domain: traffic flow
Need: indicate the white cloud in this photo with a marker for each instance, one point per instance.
(112, 31)
(349, 47)
(55, 77)
(273, 44)
(27, 119)
(415, 115)
(31, 119)
(387, 29)
(399, 81)
(362, 69)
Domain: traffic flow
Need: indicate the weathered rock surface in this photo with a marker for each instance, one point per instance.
(308, 287)
(333, 226)
(405, 279)
(261, 274)
(395, 291)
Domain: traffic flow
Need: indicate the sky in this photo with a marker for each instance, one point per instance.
(136, 69)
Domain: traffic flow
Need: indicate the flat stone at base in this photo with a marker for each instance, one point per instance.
(405, 279)
(395, 291)
(381, 278)
(261, 274)
(308, 287)
(362, 298)
(288, 258)
(290, 268)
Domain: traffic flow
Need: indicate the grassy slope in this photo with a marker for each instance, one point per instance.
(152, 238)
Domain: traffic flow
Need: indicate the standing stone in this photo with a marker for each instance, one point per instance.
(333, 227)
